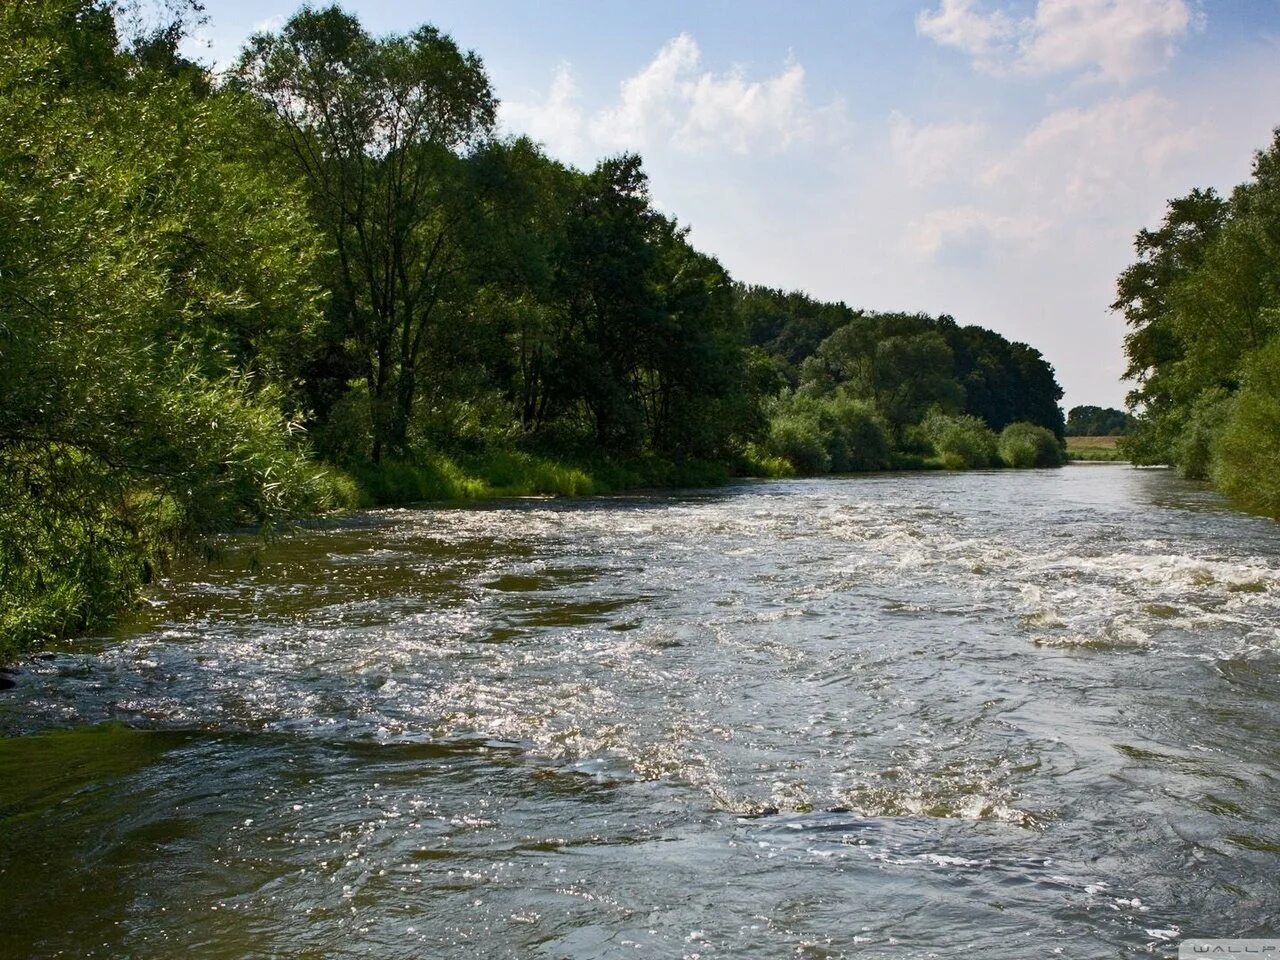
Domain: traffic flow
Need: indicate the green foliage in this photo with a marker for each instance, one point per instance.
(375, 127)
(826, 434)
(1024, 445)
(962, 442)
(153, 289)
(1090, 421)
(1194, 449)
(425, 477)
(907, 364)
(1203, 302)
(1247, 463)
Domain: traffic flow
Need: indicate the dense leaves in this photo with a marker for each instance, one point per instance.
(1090, 421)
(151, 289)
(907, 370)
(1203, 305)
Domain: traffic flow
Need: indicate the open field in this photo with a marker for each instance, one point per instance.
(1093, 448)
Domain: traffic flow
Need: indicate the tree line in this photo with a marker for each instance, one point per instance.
(847, 390)
(323, 279)
(1202, 303)
(1091, 421)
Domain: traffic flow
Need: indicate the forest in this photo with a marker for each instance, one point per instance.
(1202, 303)
(1092, 421)
(324, 279)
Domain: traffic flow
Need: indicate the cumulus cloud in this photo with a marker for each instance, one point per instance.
(934, 153)
(1074, 168)
(555, 121)
(649, 101)
(967, 233)
(959, 24)
(1117, 40)
(1085, 158)
(673, 100)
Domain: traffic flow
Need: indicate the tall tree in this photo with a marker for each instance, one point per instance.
(376, 127)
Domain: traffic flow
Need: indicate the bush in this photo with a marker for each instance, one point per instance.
(346, 435)
(1247, 452)
(1025, 445)
(511, 473)
(757, 462)
(962, 442)
(859, 436)
(822, 434)
(84, 522)
(796, 436)
(1194, 450)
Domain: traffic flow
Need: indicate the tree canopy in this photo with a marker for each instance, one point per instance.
(1202, 302)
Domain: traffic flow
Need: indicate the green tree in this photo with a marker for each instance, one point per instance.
(1091, 421)
(376, 127)
(1154, 344)
(148, 284)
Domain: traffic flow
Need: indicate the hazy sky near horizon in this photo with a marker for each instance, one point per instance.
(988, 159)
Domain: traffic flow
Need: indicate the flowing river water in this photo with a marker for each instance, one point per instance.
(1007, 715)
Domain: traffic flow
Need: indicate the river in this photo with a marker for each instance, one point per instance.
(997, 714)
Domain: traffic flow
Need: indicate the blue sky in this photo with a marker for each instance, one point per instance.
(990, 159)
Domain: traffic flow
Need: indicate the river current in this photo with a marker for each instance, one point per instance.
(1008, 715)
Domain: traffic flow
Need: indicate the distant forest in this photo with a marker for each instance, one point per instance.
(323, 280)
(1090, 421)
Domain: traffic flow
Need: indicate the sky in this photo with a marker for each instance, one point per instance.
(987, 159)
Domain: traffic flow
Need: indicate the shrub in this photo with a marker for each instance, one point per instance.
(859, 437)
(796, 435)
(1247, 452)
(346, 435)
(962, 442)
(1025, 445)
(1194, 450)
(757, 462)
(821, 434)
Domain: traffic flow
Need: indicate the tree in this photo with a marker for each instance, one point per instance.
(1154, 345)
(1091, 421)
(376, 127)
(148, 284)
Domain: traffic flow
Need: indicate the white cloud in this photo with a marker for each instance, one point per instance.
(966, 232)
(556, 121)
(1074, 169)
(671, 100)
(1118, 40)
(649, 100)
(1090, 158)
(934, 153)
(956, 23)
(739, 113)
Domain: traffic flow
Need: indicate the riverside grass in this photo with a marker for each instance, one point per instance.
(1095, 450)
(78, 600)
(53, 602)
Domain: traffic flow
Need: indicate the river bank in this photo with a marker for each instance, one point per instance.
(74, 601)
